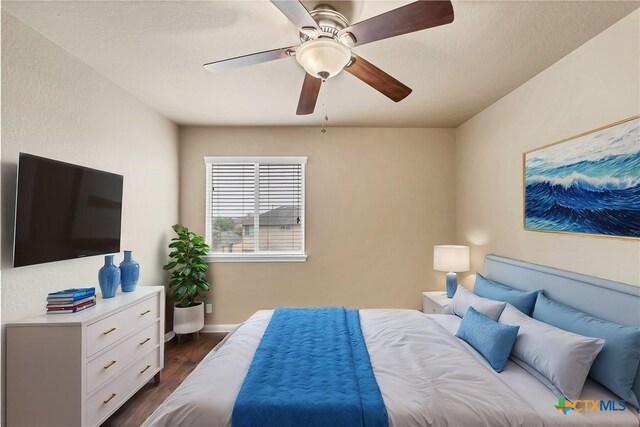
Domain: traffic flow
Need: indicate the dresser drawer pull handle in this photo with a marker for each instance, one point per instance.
(112, 396)
(109, 331)
(143, 371)
(108, 365)
(145, 341)
(142, 314)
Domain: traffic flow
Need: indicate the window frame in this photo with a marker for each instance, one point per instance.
(279, 256)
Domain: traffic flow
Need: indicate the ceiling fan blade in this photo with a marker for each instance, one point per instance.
(377, 79)
(415, 16)
(296, 13)
(252, 58)
(309, 95)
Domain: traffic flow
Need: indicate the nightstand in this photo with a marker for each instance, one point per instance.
(434, 302)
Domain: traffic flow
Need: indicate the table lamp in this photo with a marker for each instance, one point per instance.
(452, 259)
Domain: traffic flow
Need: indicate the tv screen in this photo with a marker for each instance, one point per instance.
(65, 211)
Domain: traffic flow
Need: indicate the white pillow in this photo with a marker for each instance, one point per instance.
(564, 358)
(463, 299)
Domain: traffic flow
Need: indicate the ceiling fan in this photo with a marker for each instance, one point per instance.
(327, 37)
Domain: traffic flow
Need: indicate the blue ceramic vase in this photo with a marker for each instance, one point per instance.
(452, 284)
(129, 273)
(109, 277)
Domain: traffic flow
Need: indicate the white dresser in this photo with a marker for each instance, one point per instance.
(77, 369)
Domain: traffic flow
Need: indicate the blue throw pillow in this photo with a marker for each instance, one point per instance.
(616, 365)
(491, 339)
(523, 301)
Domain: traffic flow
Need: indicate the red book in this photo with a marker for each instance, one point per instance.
(74, 310)
(71, 308)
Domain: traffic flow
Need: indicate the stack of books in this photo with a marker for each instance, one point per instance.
(71, 300)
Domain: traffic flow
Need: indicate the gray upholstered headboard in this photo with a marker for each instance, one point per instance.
(613, 301)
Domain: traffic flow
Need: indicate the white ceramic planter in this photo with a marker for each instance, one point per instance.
(188, 319)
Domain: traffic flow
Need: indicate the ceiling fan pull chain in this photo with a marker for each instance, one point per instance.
(325, 119)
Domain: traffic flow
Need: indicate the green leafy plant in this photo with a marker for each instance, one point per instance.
(188, 278)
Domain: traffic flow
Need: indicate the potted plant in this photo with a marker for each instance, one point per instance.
(188, 279)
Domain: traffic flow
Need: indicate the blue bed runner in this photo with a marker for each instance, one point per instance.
(311, 368)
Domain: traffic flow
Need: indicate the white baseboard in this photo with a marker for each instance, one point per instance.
(219, 328)
(208, 329)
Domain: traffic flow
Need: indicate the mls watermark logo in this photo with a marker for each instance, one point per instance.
(590, 405)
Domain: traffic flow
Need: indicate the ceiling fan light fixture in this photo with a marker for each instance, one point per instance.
(323, 57)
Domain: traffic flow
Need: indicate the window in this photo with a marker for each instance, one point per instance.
(255, 208)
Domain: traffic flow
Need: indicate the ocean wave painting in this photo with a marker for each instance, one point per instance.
(589, 184)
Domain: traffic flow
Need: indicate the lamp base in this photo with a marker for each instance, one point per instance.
(452, 284)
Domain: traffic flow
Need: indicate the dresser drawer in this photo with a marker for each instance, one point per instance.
(144, 312)
(107, 331)
(107, 365)
(110, 396)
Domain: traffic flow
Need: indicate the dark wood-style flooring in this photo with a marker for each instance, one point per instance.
(179, 361)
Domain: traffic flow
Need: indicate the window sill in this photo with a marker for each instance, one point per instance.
(255, 258)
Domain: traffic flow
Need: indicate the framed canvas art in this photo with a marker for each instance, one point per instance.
(587, 184)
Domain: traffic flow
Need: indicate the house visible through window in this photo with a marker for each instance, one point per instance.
(255, 208)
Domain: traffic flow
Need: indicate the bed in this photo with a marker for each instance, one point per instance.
(427, 376)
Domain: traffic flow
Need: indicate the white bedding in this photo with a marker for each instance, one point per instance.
(427, 377)
(541, 398)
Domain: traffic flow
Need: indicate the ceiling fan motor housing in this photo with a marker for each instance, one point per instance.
(330, 22)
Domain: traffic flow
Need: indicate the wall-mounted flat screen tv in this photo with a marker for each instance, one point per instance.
(65, 211)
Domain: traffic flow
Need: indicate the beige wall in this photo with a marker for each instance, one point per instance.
(593, 86)
(377, 200)
(53, 105)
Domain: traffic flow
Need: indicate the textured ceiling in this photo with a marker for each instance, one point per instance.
(155, 51)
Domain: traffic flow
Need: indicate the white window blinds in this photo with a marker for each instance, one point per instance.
(255, 206)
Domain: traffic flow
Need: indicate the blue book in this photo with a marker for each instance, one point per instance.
(72, 294)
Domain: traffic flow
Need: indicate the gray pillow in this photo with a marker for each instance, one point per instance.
(463, 299)
(564, 358)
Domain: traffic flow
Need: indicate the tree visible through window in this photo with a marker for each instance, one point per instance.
(255, 205)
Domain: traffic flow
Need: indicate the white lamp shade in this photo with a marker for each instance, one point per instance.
(451, 258)
(323, 56)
